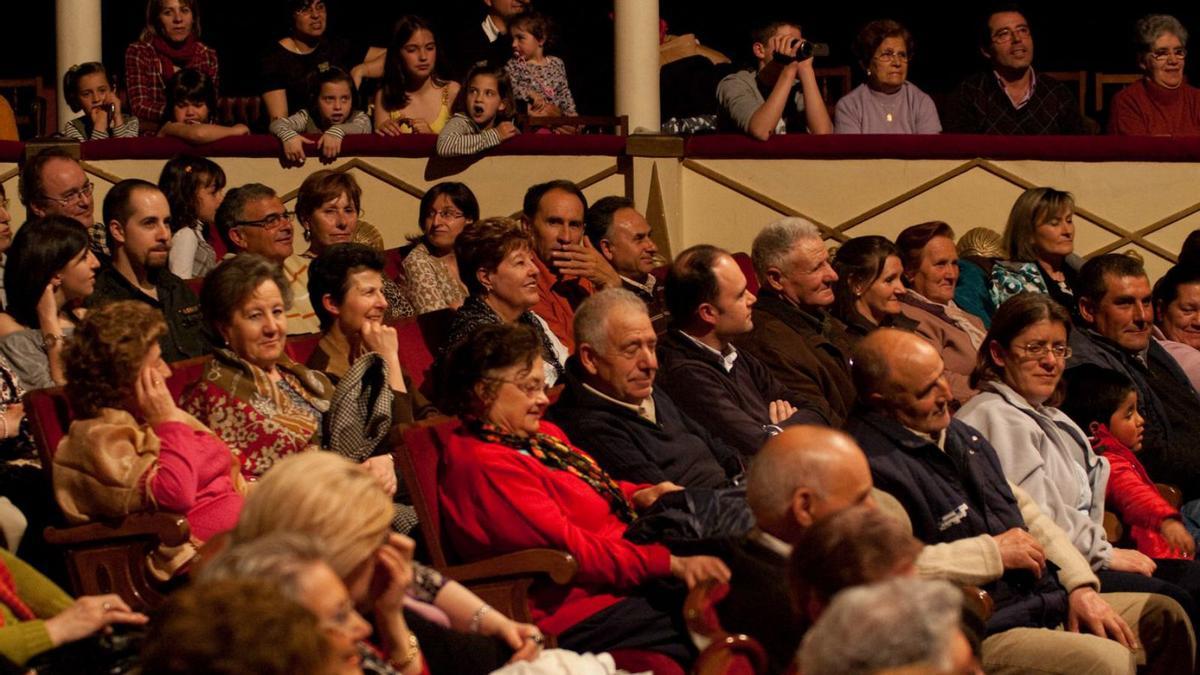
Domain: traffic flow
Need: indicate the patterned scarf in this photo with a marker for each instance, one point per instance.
(251, 385)
(8, 596)
(476, 313)
(558, 454)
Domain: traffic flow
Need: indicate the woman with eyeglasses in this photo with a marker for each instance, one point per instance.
(1162, 103)
(887, 103)
(431, 279)
(1018, 374)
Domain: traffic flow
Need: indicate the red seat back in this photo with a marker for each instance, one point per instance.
(420, 340)
(300, 347)
(419, 459)
(49, 415)
(744, 262)
(185, 372)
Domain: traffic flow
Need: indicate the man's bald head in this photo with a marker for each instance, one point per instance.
(901, 375)
(803, 475)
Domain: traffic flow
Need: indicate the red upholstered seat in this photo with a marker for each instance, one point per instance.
(300, 347)
(722, 653)
(421, 339)
(744, 262)
(184, 373)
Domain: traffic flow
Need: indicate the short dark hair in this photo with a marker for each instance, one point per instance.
(319, 79)
(534, 195)
(489, 348)
(117, 202)
(985, 16)
(873, 34)
(598, 219)
(330, 274)
(691, 281)
(858, 263)
(912, 240)
(1189, 253)
(1013, 316)
(1166, 289)
(761, 33)
(30, 187)
(1092, 283)
(325, 185)
(1094, 394)
(459, 194)
(233, 281)
(536, 24)
(230, 210)
(182, 177)
(484, 245)
(190, 86)
(72, 77)
(40, 249)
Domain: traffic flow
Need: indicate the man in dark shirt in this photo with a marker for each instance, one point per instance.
(622, 236)
(53, 183)
(1009, 97)
(139, 227)
(488, 42)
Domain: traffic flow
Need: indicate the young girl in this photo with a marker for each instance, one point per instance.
(412, 98)
(194, 187)
(87, 88)
(330, 112)
(191, 100)
(537, 79)
(1105, 402)
(482, 111)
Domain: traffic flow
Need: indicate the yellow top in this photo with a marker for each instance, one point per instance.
(437, 123)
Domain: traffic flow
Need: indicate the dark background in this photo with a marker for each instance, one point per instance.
(1068, 35)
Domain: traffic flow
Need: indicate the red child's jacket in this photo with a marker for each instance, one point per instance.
(1134, 497)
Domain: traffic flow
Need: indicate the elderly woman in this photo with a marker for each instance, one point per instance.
(334, 501)
(130, 448)
(887, 103)
(1019, 369)
(1177, 318)
(1038, 238)
(512, 481)
(931, 274)
(169, 42)
(495, 263)
(1162, 103)
(868, 290)
(431, 278)
(328, 207)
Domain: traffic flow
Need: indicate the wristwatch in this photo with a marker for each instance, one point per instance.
(51, 339)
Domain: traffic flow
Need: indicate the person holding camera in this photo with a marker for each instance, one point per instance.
(781, 94)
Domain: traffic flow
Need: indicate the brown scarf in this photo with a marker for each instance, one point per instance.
(251, 384)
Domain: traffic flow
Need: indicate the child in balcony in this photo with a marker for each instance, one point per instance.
(194, 187)
(191, 101)
(482, 113)
(88, 89)
(330, 112)
(537, 79)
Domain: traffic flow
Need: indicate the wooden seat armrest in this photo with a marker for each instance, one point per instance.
(558, 565)
(1172, 494)
(979, 599)
(169, 528)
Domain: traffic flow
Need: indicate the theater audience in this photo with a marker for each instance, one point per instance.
(486, 45)
(730, 392)
(1010, 97)
(53, 184)
(130, 448)
(1116, 309)
(190, 110)
(869, 286)
(807, 348)
(634, 431)
(252, 219)
(1177, 318)
(431, 277)
(950, 482)
(496, 263)
(329, 111)
(138, 219)
(538, 79)
(780, 94)
(413, 98)
(51, 273)
(87, 88)
(887, 103)
(1162, 103)
(1040, 230)
(169, 44)
(622, 235)
(511, 481)
(482, 114)
(194, 187)
(930, 277)
(980, 249)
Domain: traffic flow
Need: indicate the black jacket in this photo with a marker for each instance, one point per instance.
(187, 333)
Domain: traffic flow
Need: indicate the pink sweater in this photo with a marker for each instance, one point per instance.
(193, 478)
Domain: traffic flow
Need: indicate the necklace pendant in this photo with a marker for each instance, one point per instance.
(889, 117)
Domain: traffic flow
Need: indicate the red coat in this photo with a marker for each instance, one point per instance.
(1134, 497)
(495, 500)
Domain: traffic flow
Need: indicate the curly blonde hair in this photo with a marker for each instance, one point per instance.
(106, 353)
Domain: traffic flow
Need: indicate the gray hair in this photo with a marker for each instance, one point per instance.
(591, 318)
(776, 240)
(231, 209)
(910, 621)
(1151, 26)
(280, 557)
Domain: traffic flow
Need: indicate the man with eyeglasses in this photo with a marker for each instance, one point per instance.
(252, 219)
(1010, 98)
(622, 236)
(1116, 306)
(139, 227)
(53, 183)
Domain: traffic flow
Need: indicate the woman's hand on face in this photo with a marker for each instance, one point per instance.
(393, 575)
(645, 498)
(383, 470)
(47, 306)
(380, 338)
(89, 615)
(154, 399)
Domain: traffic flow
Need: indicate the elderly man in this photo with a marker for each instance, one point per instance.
(139, 226)
(53, 184)
(613, 411)
(569, 269)
(252, 219)
(1009, 98)
(807, 348)
(730, 392)
(949, 481)
(622, 236)
(765, 101)
(1116, 306)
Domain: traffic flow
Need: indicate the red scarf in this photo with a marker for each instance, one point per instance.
(173, 57)
(8, 596)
